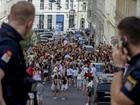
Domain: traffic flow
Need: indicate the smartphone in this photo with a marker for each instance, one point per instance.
(124, 42)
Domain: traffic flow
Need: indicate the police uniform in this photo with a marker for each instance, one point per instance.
(131, 87)
(13, 65)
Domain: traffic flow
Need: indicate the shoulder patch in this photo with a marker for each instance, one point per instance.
(6, 56)
(130, 83)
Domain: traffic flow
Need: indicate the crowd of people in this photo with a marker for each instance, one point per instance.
(66, 64)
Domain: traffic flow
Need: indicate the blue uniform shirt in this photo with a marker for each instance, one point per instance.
(131, 87)
(13, 64)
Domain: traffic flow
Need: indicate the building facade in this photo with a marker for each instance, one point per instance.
(106, 14)
(126, 8)
(109, 23)
(102, 18)
(3, 11)
(5, 6)
(60, 15)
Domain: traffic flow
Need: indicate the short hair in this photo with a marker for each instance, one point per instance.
(22, 11)
(130, 27)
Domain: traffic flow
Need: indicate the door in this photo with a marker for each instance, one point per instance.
(59, 22)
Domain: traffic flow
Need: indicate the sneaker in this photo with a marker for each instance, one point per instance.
(54, 98)
(63, 98)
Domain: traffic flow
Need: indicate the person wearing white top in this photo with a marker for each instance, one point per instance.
(79, 80)
(93, 70)
(69, 75)
(37, 75)
(75, 73)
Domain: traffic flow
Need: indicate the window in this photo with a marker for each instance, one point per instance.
(49, 22)
(84, 6)
(50, 5)
(41, 4)
(59, 22)
(41, 21)
(67, 4)
(71, 21)
(58, 4)
(71, 3)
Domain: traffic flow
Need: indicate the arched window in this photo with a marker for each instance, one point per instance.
(82, 23)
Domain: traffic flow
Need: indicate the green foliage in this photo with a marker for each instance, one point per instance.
(27, 41)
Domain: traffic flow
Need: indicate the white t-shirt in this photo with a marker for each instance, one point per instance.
(93, 69)
(37, 76)
(75, 73)
(79, 76)
(65, 42)
(69, 71)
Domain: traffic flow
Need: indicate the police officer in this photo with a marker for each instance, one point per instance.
(125, 89)
(13, 77)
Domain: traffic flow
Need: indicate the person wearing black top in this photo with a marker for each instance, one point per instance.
(13, 76)
(125, 89)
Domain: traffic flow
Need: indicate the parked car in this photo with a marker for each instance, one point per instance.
(46, 36)
(88, 48)
(57, 36)
(73, 30)
(102, 85)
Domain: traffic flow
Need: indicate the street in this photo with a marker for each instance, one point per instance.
(69, 52)
(74, 97)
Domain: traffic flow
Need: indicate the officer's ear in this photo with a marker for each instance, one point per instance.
(29, 25)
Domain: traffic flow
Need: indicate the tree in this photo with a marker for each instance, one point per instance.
(27, 42)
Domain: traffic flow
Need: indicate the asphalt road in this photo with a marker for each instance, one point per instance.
(74, 97)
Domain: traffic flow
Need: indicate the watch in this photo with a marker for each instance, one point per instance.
(117, 69)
